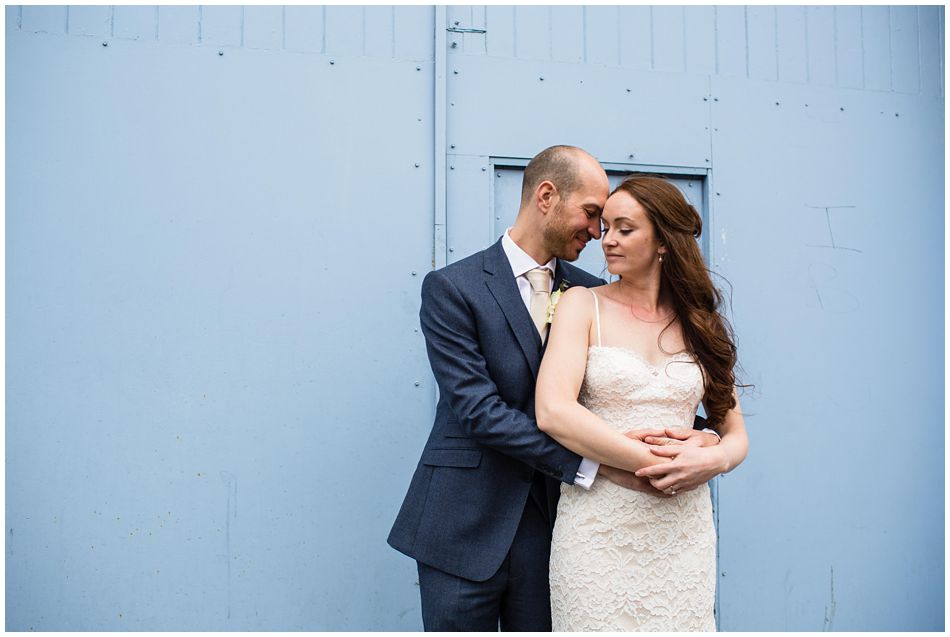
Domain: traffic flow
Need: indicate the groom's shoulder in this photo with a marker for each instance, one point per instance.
(464, 268)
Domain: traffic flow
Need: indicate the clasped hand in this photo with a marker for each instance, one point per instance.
(693, 459)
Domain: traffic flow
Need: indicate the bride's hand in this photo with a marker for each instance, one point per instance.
(688, 468)
(628, 480)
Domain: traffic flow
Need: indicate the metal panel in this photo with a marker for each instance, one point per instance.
(636, 41)
(848, 56)
(203, 428)
(90, 20)
(820, 26)
(877, 47)
(931, 49)
(379, 32)
(178, 25)
(136, 23)
(413, 28)
(732, 50)
(304, 27)
(762, 30)
(791, 46)
(500, 23)
(344, 30)
(669, 52)
(601, 36)
(222, 26)
(533, 32)
(622, 110)
(469, 226)
(44, 19)
(264, 27)
(567, 38)
(905, 65)
(700, 25)
(474, 43)
(806, 543)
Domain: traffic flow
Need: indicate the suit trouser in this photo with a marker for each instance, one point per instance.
(516, 597)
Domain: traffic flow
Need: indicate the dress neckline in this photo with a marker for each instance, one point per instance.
(642, 359)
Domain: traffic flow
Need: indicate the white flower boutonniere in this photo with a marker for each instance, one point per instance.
(555, 297)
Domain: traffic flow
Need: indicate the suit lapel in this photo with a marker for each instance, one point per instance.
(503, 287)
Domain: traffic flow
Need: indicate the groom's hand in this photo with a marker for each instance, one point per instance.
(682, 436)
(628, 480)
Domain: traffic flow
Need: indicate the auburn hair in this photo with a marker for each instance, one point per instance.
(685, 280)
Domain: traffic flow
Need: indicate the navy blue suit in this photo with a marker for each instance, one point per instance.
(480, 508)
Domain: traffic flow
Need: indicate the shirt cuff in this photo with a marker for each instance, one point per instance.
(707, 430)
(586, 473)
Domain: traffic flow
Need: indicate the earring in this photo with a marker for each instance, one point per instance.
(661, 258)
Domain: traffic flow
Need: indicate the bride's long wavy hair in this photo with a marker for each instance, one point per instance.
(685, 280)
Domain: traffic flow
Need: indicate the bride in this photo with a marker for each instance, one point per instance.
(630, 356)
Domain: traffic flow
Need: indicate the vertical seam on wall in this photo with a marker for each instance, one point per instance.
(890, 51)
(940, 52)
(807, 49)
(392, 31)
(920, 80)
(617, 22)
(715, 41)
(864, 82)
(363, 25)
(243, 23)
(440, 120)
(283, 27)
(200, 20)
(584, 32)
(652, 42)
(112, 21)
(323, 30)
(514, 29)
(834, 40)
(683, 21)
(775, 25)
(66, 25)
(156, 22)
(550, 33)
(745, 19)
(19, 18)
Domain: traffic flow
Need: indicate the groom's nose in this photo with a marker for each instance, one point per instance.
(594, 228)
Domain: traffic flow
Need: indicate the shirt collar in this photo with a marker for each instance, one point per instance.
(520, 261)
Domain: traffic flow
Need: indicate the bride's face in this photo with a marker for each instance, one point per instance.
(629, 242)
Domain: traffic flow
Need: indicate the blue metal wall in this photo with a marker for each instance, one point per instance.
(218, 219)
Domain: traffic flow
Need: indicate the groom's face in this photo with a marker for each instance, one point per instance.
(575, 219)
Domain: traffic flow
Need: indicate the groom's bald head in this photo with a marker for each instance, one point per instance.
(561, 165)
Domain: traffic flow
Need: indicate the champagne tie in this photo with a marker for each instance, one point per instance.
(540, 280)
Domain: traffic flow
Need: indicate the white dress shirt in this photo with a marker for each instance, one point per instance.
(521, 263)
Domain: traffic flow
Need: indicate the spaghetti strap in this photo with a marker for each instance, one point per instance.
(596, 315)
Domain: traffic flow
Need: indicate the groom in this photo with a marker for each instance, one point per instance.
(480, 508)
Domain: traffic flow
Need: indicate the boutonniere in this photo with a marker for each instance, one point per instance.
(555, 297)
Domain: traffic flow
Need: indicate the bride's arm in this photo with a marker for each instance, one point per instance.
(559, 381)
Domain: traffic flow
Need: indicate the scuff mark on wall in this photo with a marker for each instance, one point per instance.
(230, 483)
(832, 606)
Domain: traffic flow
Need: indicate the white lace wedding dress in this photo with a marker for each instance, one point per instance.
(625, 560)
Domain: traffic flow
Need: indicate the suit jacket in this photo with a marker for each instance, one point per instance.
(472, 482)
